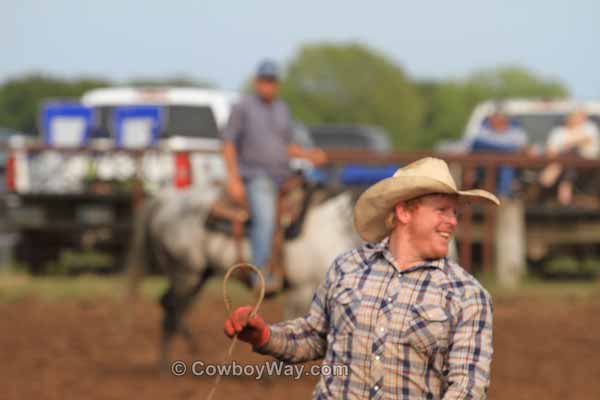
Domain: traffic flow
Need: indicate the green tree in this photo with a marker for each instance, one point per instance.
(178, 80)
(449, 103)
(350, 83)
(513, 81)
(21, 98)
(447, 110)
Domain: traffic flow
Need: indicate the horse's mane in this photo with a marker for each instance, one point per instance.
(325, 193)
(315, 195)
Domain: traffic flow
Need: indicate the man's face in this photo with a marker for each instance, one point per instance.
(431, 224)
(576, 118)
(499, 122)
(266, 88)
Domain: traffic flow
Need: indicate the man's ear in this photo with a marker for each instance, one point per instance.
(403, 214)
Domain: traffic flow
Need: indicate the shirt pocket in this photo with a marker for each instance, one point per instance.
(345, 309)
(427, 328)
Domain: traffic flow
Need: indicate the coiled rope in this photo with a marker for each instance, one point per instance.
(227, 300)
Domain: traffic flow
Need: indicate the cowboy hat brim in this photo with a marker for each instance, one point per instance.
(377, 202)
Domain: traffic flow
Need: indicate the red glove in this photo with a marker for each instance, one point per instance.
(251, 330)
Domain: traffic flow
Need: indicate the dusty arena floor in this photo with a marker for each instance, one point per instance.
(90, 348)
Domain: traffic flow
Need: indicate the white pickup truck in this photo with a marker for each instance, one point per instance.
(73, 189)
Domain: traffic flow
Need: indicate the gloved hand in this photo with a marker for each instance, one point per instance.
(250, 330)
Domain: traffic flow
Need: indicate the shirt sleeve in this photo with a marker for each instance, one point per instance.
(470, 351)
(302, 339)
(235, 123)
(591, 149)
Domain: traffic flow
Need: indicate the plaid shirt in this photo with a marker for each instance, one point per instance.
(421, 333)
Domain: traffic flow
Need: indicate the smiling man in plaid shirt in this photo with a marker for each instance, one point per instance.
(407, 322)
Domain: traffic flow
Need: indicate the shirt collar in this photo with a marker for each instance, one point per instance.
(260, 100)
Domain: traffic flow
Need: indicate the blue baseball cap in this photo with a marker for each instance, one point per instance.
(267, 69)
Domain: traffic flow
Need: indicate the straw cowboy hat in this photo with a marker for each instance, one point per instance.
(425, 176)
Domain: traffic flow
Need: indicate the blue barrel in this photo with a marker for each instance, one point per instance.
(353, 174)
(66, 124)
(137, 126)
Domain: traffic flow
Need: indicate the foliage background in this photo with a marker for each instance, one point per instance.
(330, 83)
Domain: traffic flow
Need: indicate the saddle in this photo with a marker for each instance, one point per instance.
(233, 219)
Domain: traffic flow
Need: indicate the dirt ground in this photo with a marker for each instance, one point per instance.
(79, 349)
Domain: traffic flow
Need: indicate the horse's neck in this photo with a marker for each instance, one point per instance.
(326, 233)
(222, 250)
(334, 214)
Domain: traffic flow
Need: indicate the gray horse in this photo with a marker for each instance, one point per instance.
(170, 232)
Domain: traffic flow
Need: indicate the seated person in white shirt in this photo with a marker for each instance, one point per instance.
(579, 136)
